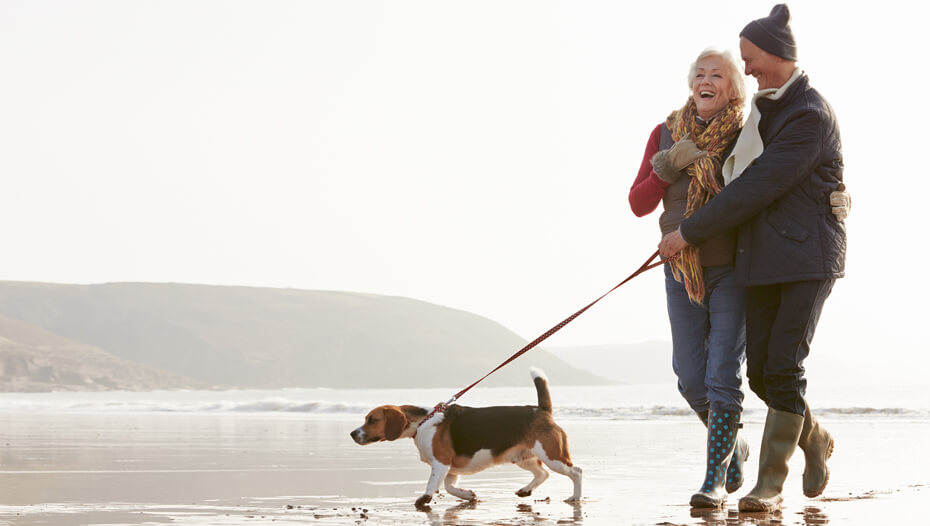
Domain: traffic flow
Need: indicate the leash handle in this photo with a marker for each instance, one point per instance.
(642, 268)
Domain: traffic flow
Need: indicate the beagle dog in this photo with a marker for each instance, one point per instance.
(465, 440)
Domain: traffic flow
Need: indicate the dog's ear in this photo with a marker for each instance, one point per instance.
(395, 421)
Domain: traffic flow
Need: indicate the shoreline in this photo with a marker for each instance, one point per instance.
(210, 469)
(893, 506)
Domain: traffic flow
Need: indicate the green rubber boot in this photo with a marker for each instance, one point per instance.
(817, 445)
(779, 440)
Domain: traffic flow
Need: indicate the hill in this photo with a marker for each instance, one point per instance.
(32, 359)
(248, 337)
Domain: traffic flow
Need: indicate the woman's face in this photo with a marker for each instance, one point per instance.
(711, 89)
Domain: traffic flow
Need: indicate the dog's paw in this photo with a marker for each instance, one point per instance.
(423, 502)
(573, 500)
(523, 492)
(470, 496)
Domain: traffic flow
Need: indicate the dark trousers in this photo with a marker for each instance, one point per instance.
(780, 323)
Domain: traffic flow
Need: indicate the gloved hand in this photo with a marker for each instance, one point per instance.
(840, 202)
(668, 164)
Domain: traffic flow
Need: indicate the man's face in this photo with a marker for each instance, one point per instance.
(764, 67)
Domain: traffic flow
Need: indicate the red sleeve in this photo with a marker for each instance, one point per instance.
(648, 190)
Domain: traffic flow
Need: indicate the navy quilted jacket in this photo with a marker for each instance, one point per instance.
(781, 202)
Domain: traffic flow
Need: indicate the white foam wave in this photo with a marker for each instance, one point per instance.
(608, 403)
(635, 413)
(270, 405)
(311, 407)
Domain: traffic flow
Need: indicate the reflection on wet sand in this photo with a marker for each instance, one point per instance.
(732, 517)
(813, 515)
(467, 513)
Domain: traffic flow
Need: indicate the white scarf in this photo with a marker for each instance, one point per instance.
(749, 143)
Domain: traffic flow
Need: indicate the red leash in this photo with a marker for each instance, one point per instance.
(643, 268)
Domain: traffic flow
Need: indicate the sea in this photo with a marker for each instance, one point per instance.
(632, 402)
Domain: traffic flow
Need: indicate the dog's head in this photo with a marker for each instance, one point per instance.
(386, 422)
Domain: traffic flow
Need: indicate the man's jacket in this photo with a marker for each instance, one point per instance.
(781, 202)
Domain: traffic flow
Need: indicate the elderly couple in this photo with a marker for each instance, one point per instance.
(755, 213)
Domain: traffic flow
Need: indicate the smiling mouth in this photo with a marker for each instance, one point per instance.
(707, 94)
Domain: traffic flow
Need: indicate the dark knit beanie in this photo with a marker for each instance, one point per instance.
(773, 34)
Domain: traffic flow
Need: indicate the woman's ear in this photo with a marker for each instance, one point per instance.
(395, 421)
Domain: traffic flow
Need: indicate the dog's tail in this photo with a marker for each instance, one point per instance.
(542, 389)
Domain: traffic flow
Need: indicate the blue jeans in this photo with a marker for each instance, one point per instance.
(709, 340)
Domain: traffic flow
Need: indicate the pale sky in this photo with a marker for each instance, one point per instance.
(475, 155)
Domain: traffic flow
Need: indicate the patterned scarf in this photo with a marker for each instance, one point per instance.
(705, 173)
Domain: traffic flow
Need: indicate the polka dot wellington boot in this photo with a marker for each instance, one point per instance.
(735, 477)
(722, 428)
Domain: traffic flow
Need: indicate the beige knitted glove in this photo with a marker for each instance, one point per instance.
(841, 202)
(668, 164)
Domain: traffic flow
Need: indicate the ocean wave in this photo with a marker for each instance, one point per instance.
(642, 413)
(754, 413)
(872, 411)
(617, 413)
(282, 405)
(268, 405)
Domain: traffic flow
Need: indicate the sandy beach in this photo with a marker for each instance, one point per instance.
(284, 468)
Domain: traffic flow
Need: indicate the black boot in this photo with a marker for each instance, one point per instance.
(740, 456)
(722, 428)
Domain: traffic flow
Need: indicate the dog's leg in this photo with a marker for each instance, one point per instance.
(438, 473)
(534, 466)
(463, 494)
(572, 472)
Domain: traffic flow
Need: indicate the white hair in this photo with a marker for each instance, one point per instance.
(733, 71)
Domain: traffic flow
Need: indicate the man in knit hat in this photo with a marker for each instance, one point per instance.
(790, 247)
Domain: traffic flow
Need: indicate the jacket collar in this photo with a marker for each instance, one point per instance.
(779, 98)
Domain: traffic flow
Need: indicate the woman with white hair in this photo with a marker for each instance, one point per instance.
(707, 309)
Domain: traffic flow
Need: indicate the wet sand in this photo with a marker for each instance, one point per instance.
(208, 469)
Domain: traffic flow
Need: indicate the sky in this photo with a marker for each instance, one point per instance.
(476, 155)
